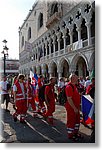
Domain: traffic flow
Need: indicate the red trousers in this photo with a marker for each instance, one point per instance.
(50, 111)
(73, 121)
(32, 102)
(21, 109)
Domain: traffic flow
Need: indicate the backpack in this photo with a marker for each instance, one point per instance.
(62, 98)
(8, 86)
(92, 92)
(41, 92)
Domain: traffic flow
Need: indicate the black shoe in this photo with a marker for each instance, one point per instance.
(15, 119)
(79, 136)
(74, 139)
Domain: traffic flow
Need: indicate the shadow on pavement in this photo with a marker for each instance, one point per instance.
(36, 130)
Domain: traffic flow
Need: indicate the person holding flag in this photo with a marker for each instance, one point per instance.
(42, 108)
(34, 82)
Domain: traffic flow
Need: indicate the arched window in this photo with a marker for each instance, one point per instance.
(61, 41)
(40, 20)
(67, 37)
(75, 34)
(56, 44)
(29, 33)
(54, 8)
(51, 46)
(83, 30)
(47, 48)
(44, 50)
(22, 41)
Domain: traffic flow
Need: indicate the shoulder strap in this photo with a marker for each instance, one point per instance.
(71, 86)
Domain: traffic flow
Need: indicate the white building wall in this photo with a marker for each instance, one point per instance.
(70, 52)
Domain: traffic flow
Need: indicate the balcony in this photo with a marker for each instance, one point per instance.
(55, 17)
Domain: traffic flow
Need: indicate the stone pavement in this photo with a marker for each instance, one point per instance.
(37, 130)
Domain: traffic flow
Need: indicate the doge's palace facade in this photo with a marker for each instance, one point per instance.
(61, 37)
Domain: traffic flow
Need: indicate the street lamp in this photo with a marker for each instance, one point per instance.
(5, 53)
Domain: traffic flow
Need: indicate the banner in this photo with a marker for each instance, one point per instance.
(28, 47)
(77, 45)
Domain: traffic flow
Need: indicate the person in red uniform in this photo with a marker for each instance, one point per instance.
(50, 100)
(31, 96)
(42, 108)
(72, 106)
(20, 91)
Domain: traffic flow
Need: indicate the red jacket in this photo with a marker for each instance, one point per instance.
(29, 91)
(73, 93)
(19, 93)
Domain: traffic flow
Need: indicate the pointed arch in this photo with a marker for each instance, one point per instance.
(80, 65)
(29, 33)
(64, 67)
(53, 68)
(40, 20)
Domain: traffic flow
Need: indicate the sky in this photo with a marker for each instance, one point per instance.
(12, 15)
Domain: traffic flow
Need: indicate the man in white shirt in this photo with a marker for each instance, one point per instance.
(4, 92)
(87, 82)
(61, 84)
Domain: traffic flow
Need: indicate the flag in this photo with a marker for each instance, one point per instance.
(28, 46)
(34, 79)
(87, 109)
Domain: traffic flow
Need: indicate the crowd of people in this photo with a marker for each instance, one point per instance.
(25, 95)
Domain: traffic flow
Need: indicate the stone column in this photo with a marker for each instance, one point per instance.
(46, 47)
(37, 54)
(71, 36)
(60, 71)
(78, 24)
(58, 39)
(59, 74)
(79, 33)
(43, 49)
(49, 40)
(53, 45)
(50, 71)
(64, 37)
(88, 24)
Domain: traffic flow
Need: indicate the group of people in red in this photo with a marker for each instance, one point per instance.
(24, 95)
